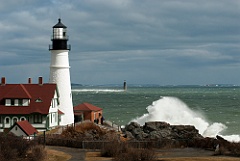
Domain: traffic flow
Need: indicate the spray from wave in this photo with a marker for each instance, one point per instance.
(176, 112)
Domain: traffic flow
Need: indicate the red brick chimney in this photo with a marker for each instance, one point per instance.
(3, 82)
(40, 80)
(29, 80)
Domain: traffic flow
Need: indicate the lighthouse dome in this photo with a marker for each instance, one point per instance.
(59, 24)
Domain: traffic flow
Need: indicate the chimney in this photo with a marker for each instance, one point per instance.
(29, 80)
(40, 80)
(3, 81)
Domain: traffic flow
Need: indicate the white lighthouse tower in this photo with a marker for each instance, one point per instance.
(60, 73)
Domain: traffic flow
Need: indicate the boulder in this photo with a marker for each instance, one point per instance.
(129, 135)
(162, 130)
(132, 126)
(153, 126)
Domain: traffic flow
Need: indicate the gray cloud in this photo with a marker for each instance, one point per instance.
(162, 42)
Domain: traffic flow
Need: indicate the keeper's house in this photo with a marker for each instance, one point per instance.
(36, 103)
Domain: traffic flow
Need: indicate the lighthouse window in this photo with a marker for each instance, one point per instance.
(64, 33)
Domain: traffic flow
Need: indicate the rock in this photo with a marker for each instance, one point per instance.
(162, 130)
(129, 135)
(142, 136)
(132, 126)
(155, 135)
(184, 127)
(153, 126)
(136, 131)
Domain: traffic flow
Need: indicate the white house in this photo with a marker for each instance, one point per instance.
(36, 103)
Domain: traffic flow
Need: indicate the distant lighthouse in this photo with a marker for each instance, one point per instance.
(124, 85)
(59, 71)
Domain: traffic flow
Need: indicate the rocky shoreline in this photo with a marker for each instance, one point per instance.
(179, 136)
(161, 130)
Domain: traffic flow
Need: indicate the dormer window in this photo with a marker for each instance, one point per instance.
(38, 100)
(12, 102)
(17, 102)
(20, 102)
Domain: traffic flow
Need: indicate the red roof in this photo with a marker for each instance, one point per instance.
(40, 97)
(22, 92)
(26, 127)
(60, 112)
(86, 107)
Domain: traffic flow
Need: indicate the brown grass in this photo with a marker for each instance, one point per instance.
(200, 159)
(54, 155)
(81, 129)
(93, 156)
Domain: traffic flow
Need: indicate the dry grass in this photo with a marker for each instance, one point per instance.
(54, 155)
(81, 129)
(93, 156)
(89, 126)
(200, 159)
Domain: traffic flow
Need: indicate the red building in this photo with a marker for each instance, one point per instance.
(87, 111)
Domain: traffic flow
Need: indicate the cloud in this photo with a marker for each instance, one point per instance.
(162, 42)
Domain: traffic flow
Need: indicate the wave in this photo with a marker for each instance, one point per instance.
(98, 90)
(176, 112)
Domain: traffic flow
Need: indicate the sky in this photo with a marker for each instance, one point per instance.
(164, 42)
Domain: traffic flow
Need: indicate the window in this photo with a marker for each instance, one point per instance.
(23, 118)
(12, 102)
(16, 128)
(37, 118)
(20, 102)
(25, 102)
(7, 120)
(14, 120)
(38, 100)
(0, 119)
(55, 117)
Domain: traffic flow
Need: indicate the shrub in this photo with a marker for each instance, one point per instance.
(113, 149)
(86, 130)
(16, 148)
(12, 146)
(121, 151)
(37, 153)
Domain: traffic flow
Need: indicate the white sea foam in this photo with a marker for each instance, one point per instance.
(176, 112)
(98, 90)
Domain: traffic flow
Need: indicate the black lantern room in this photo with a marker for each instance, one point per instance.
(59, 37)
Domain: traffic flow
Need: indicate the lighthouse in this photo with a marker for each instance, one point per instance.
(60, 71)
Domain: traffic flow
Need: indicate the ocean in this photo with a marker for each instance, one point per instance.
(212, 110)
